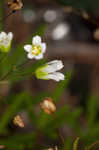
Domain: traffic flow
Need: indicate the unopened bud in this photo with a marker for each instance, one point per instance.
(56, 148)
(85, 15)
(18, 121)
(50, 149)
(15, 5)
(2, 146)
(68, 9)
(48, 106)
(96, 34)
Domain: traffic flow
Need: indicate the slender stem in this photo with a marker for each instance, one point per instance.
(21, 65)
(12, 70)
(59, 133)
(93, 144)
(61, 136)
(6, 17)
(6, 75)
(3, 57)
(81, 13)
(75, 144)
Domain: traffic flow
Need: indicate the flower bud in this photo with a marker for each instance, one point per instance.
(2, 146)
(18, 121)
(5, 41)
(50, 71)
(48, 106)
(15, 5)
(56, 148)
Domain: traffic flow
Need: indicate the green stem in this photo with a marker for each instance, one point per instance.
(12, 70)
(58, 131)
(75, 144)
(6, 75)
(21, 65)
(93, 144)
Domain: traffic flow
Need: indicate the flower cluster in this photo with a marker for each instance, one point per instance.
(5, 41)
(35, 51)
(49, 70)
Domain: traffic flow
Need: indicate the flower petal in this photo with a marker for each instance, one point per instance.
(57, 64)
(30, 56)
(27, 48)
(39, 56)
(10, 36)
(43, 47)
(36, 40)
(53, 66)
(49, 69)
(2, 35)
(57, 76)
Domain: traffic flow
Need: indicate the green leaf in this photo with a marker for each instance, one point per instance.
(92, 109)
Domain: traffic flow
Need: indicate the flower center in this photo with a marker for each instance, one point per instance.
(4, 41)
(36, 50)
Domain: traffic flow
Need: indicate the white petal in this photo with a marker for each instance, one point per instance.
(43, 47)
(57, 76)
(27, 48)
(2, 35)
(53, 61)
(39, 56)
(57, 64)
(10, 35)
(49, 69)
(30, 56)
(53, 66)
(36, 40)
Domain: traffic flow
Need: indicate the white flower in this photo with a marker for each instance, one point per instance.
(5, 41)
(37, 48)
(49, 71)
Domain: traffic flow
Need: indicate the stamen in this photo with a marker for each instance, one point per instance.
(36, 50)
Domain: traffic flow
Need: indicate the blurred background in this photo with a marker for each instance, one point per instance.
(71, 31)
